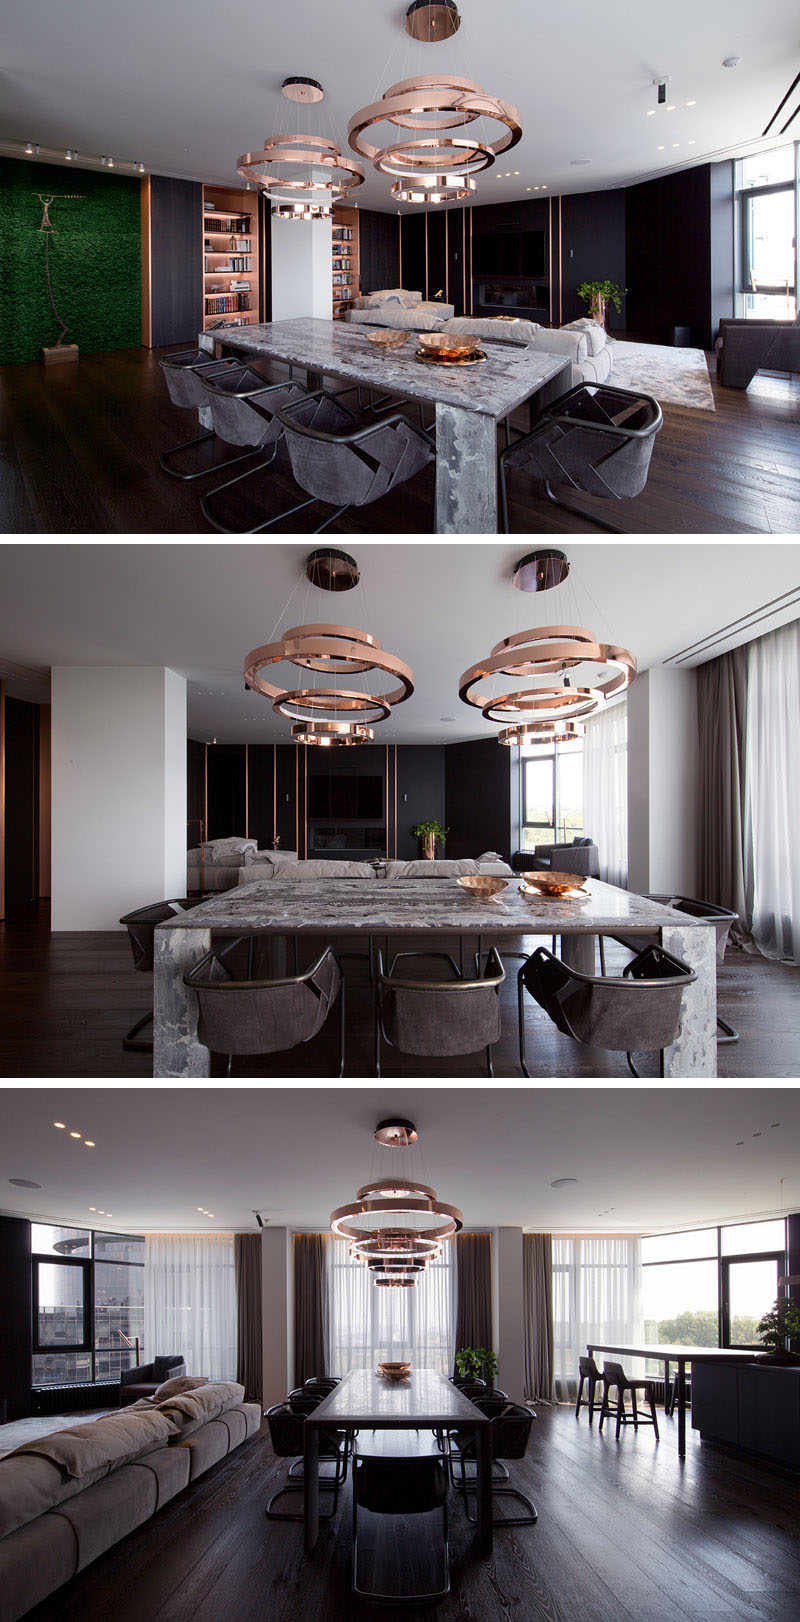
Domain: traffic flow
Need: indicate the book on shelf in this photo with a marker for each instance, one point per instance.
(225, 303)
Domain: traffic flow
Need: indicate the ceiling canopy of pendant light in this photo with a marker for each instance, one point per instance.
(330, 716)
(432, 20)
(396, 1226)
(303, 175)
(546, 712)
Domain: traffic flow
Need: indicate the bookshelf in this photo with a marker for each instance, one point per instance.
(230, 256)
(344, 260)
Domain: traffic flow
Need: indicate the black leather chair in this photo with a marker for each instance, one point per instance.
(388, 1485)
(616, 1380)
(287, 1438)
(596, 439)
(425, 1017)
(590, 1376)
(637, 1012)
(242, 1015)
(509, 1431)
(145, 1379)
(141, 927)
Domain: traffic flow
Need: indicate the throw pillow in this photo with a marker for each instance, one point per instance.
(181, 1383)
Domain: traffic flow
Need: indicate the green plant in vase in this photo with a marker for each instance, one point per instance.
(598, 296)
(780, 1324)
(427, 833)
(476, 1363)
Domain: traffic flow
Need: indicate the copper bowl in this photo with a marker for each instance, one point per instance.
(549, 883)
(394, 1371)
(387, 338)
(483, 885)
(448, 345)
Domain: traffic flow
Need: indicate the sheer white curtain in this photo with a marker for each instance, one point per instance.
(605, 790)
(190, 1301)
(365, 1325)
(772, 792)
(597, 1287)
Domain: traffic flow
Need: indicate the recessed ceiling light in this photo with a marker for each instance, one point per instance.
(76, 1134)
(660, 149)
(23, 1182)
(671, 107)
(61, 1125)
(209, 1213)
(561, 1182)
(691, 103)
(92, 1207)
(651, 112)
(692, 143)
(29, 148)
(89, 1143)
(731, 61)
(516, 171)
(201, 1209)
(675, 144)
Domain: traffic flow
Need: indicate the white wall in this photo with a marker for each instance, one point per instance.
(301, 269)
(277, 1316)
(118, 791)
(663, 774)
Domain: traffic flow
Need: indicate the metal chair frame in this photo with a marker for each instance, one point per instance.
(469, 1483)
(253, 396)
(459, 984)
(210, 366)
(685, 977)
(294, 1483)
(191, 979)
(555, 414)
(131, 1042)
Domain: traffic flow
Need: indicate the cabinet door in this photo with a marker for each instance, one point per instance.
(769, 1412)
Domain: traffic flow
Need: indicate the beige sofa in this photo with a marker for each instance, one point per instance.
(582, 342)
(66, 1498)
(325, 868)
(217, 864)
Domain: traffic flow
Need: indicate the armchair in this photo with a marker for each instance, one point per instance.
(145, 1380)
(582, 856)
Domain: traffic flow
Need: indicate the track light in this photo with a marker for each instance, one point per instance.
(140, 167)
(29, 148)
(70, 153)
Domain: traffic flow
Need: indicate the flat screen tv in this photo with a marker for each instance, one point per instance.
(512, 253)
(345, 797)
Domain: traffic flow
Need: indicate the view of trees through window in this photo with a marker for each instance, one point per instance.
(767, 188)
(552, 795)
(711, 1286)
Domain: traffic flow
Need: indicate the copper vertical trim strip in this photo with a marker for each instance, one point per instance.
(471, 283)
(247, 791)
(560, 265)
(45, 800)
(425, 217)
(463, 266)
(395, 802)
(205, 820)
(446, 259)
(296, 803)
(2, 799)
(274, 792)
(147, 263)
(400, 248)
(386, 798)
(305, 802)
(550, 253)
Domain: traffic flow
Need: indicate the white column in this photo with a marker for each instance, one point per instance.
(276, 1319)
(663, 770)
(118, 791)
(510, 1343)
(301, 269)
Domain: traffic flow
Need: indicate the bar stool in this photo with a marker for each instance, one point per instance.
(590, 1376)
(617, 1380)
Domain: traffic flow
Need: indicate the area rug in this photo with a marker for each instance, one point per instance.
(673, 376)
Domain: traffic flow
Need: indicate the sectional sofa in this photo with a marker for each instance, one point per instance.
(325, 868)
(66, 1498)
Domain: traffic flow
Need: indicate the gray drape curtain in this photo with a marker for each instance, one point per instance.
(474, 1312)
(309, 1305)
(247, 1266)
(721, 706)
(537, 1305)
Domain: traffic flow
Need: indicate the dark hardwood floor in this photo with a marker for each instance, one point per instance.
(626, 1533)
(79, 448)
(67, 1000)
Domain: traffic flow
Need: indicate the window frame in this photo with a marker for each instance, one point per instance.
(722, 1263)
(746, 195)
(553, 757)
(88, 1263)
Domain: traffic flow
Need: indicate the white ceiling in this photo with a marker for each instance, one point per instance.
(186, 85)
(201, 607)
(296, 1154)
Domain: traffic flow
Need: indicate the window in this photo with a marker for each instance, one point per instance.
(767, 194)
(366, 1325)
(596, 1296)
(552, 795)
(85, 1309)
(709, 1287)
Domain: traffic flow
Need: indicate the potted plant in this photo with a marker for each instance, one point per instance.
(779, 1325)
(475, 1363)
(598, 295)
(428, 833)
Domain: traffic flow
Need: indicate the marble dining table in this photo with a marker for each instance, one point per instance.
(434, 910)
(470, 401)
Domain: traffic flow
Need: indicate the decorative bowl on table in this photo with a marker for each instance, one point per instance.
(551, 884)
(387, 337)
(482, 885)
(448, 346)
(394, 1372)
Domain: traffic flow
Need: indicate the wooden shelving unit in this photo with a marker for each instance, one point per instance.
(345, 260)
(228, 228)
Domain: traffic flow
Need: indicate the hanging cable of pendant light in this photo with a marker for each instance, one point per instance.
(396, 1225)
(303, 175)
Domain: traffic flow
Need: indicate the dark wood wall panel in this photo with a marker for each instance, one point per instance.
(437, 261)
(176, 259)
(265, 257)
(478, 798)
(413, 236)
(226, 791)
(379, 250)
(260, 782)
(195, 788)
(22, 801)
(668, 231)
(15, 1318)
(455, 218)
(592, 249)
(420, 794)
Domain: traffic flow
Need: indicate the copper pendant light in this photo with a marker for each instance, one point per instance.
(397, 1225)
(432, 20)
(303, 175)
(429, 106)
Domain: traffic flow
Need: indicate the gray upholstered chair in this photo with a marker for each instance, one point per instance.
(582, 856)
(141, 927)
(145, 1378)
(345, 461)
(390, 1485)
(746, 346)
(596, 439)
(184, 372)
(242, 1015)
(443, 1017)
(639, 1012)
(723, 920)
(243, 412)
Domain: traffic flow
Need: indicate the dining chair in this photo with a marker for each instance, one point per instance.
(345, 461)
(590, 1376)
(401, 1486)
(617, 1380)
(243, 409)
(239, 1014)
(287, 1438)
(184, 372)
(723, 920)
(443, 1017)
(141, 927)
(509, 1435)
(596, 439)
(637, 1012)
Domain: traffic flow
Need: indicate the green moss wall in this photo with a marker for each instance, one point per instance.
(95, 262)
